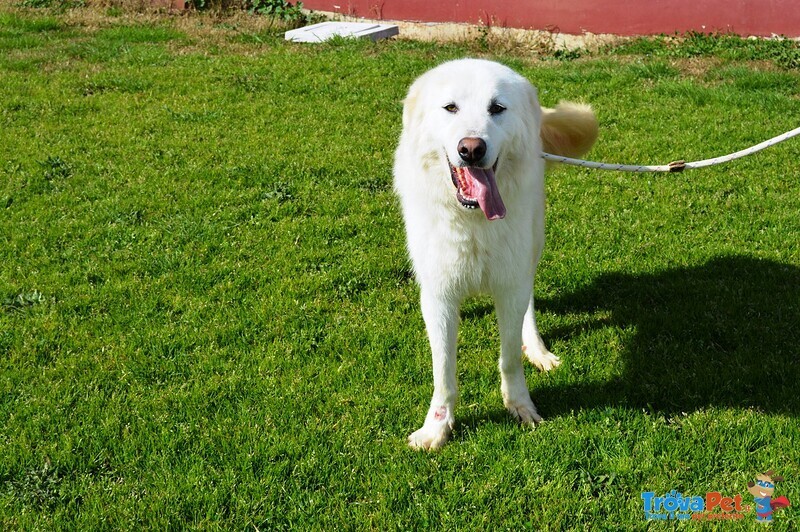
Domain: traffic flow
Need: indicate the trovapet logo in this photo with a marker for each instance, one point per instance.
(675, 505)
(716, 506)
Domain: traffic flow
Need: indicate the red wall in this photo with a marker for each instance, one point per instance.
(621, 17)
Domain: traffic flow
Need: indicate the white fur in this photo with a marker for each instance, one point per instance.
(456, 252)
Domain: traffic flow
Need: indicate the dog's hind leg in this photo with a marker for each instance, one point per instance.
(516, 397)
(532, 344)
(441, 322)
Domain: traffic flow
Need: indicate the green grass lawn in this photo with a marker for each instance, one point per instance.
(207, 318)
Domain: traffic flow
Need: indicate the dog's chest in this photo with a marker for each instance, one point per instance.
(472, 255)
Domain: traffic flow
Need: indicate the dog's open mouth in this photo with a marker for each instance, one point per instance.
(476, 187)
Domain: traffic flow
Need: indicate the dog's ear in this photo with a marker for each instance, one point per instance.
(411, 110)
(535, 116)
(568, 130)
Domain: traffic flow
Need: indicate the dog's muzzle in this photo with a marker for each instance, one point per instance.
(476, 186)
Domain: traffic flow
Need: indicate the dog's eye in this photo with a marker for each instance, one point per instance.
(496, 108)
(451, 108)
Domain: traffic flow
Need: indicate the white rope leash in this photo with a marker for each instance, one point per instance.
(676, 166)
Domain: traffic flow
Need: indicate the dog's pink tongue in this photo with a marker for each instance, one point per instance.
(484, 189)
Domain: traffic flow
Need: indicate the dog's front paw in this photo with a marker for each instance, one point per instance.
(435, 432)
(541, 358)
(429, 438)
(524, 411)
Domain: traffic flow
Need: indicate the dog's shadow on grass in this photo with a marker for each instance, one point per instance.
(726, 333)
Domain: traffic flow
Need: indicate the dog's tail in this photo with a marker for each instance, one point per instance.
(569, 130)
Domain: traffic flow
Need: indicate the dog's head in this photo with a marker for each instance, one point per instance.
(474, 119)
(474, 115)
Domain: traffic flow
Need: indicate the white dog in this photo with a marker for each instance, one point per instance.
(470, 177)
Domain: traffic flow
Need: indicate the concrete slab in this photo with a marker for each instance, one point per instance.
(327, 30)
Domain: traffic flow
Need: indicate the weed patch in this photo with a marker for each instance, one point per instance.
(785, 53)
(23, 300)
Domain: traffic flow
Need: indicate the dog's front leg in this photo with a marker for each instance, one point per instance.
(510, 311)
(441, 322)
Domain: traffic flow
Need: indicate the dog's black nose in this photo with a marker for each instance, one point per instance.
(471, 149)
